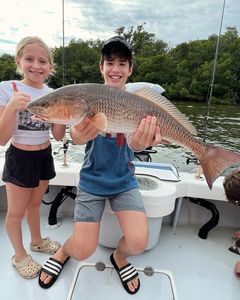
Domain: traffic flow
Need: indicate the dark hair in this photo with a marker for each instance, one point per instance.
(231, 186)
(116, 47)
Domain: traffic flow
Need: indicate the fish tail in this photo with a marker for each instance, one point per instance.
(215, 161)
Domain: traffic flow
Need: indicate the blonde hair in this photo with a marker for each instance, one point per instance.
(32, 40)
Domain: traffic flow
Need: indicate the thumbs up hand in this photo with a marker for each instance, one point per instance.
(19, 100)
(14, 86)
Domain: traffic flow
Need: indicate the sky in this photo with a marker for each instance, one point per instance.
(173, 21)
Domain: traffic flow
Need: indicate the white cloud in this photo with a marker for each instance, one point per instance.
(173, 21)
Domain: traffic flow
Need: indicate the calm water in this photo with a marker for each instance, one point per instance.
(223, 130)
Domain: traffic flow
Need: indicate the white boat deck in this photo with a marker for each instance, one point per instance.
(202, 269)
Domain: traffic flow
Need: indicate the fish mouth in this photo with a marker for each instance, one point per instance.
(39, 117)
(43, 118)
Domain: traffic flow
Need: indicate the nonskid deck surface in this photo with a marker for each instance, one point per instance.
(159, 281)
(202, 269)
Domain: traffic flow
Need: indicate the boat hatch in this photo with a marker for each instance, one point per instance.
(100, 281)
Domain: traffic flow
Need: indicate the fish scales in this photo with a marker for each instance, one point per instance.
(128, 109)
(115, 110)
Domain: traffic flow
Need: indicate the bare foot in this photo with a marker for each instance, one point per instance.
(59, 256)
(121, 262)
(20, 258)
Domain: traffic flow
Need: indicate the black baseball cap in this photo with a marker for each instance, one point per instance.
(118, 42)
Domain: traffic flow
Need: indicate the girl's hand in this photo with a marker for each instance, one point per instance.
(19, 100)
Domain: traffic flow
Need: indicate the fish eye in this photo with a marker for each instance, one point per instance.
(44, 104)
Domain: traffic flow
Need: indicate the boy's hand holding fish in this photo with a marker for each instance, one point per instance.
(84, 132)
(148, 134)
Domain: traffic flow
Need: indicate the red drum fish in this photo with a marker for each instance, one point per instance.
(115, 110)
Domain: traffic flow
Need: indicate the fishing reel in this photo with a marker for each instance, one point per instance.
(145, 154)
(192, 160)
(64, 147)
(198, 170)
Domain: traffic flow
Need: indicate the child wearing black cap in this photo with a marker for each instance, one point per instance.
(108, 173)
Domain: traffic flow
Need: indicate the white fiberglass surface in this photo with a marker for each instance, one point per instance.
(202, 269)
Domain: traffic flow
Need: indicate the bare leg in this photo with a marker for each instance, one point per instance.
(33, 214)
(18, 199)
(80, 245)
(134, 240)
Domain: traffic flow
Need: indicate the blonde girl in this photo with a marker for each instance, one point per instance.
(28, 160)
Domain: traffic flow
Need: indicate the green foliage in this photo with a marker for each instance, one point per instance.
(184, 71)
(194, 68)
(80, 63)
(7, 68)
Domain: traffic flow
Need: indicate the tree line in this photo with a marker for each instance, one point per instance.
(185, 71)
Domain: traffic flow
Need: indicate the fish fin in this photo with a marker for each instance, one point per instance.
(72, 122)
(100, 121)
(39, 119)
(166, 141)
(167, 106)
(216, 161)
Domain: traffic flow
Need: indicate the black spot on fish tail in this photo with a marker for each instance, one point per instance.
(216, 161)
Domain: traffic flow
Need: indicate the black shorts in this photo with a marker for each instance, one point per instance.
(27, 168)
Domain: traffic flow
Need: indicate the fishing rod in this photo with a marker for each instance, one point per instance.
(203, 232)
(210, 90)
(209, 95)
(65, 140)
(63, 45)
